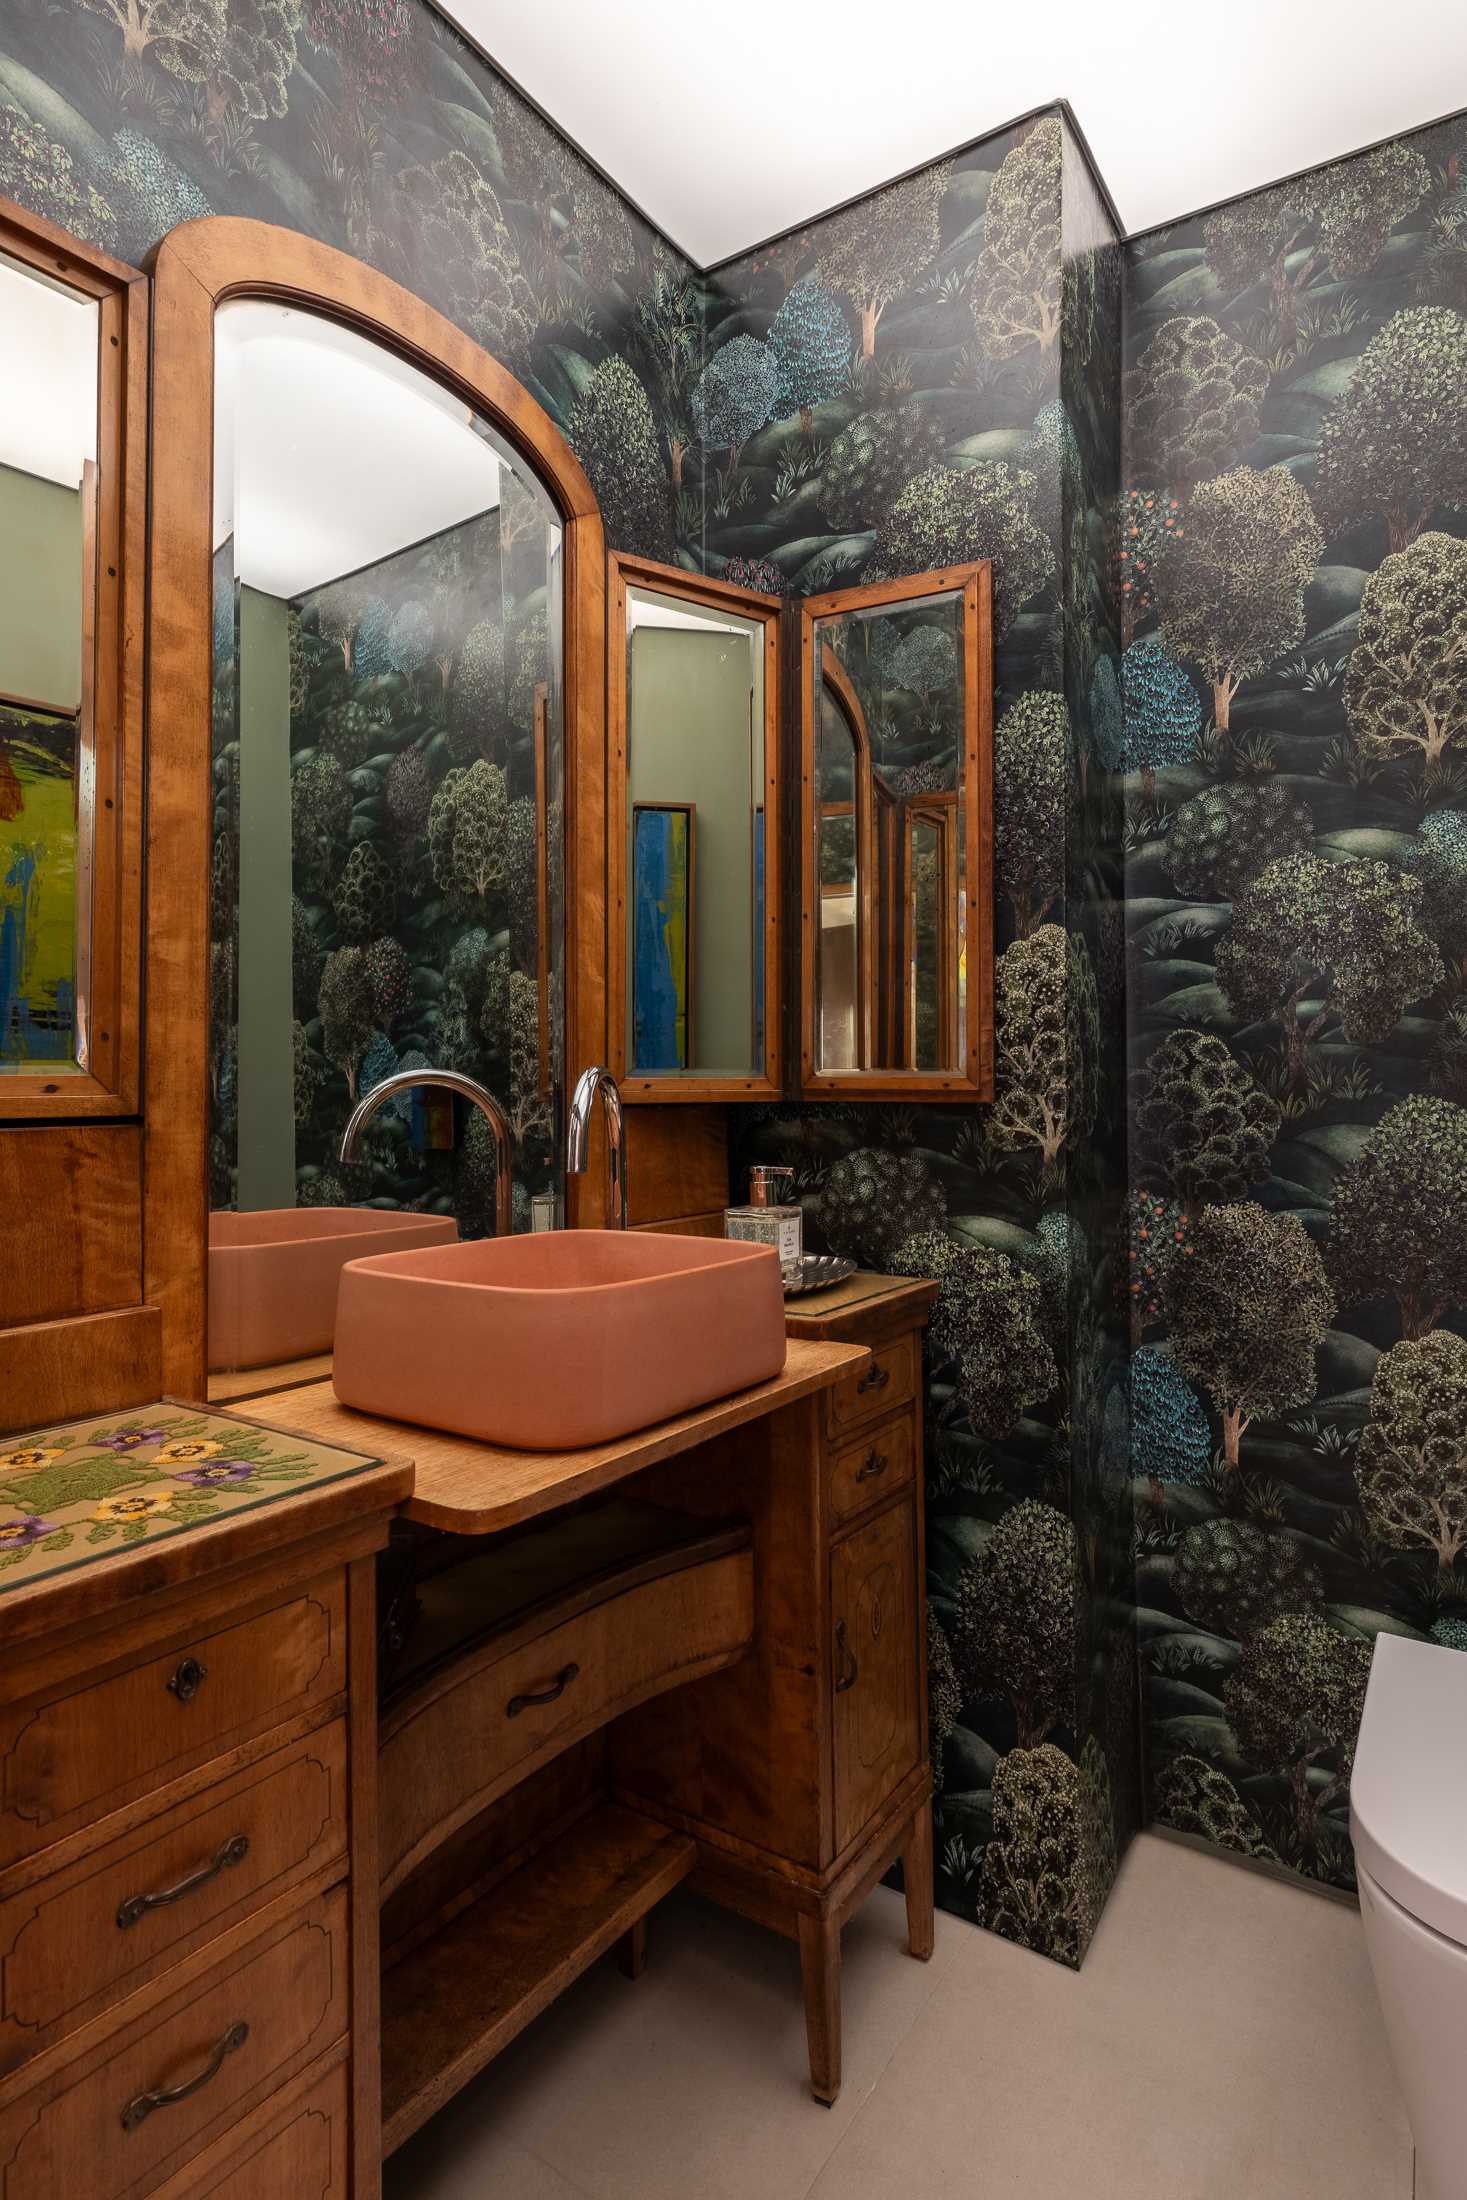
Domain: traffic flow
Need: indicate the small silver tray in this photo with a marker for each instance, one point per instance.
(818, 1271)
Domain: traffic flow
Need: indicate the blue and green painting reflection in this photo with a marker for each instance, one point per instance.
(38, 849)
(662, 933)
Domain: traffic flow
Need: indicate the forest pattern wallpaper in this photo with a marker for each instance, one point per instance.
(928, 377)
(1231, 823)
(372, 125)
(1294, 751)
(417, 817)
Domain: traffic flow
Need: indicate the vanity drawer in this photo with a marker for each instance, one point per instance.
(469, 1734)
(123, 2118)
(864, 1472)
(68, 1758)
(303, 2155)
(81, 1939)
(888, 1380)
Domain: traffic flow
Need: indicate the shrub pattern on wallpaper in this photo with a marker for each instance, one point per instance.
(919, 381)
(373, 126)
(1295, 748)
(415, 919)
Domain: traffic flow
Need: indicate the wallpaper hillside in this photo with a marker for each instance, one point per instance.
(1295, 587)
(926, 378)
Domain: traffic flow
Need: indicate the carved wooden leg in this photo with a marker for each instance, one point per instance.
(820, 1973)
(631, 1950)
(917, 1879)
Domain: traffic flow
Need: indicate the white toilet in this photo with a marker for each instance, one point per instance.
(1408, 1816)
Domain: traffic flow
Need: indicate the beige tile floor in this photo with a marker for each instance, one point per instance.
(1221, 2043)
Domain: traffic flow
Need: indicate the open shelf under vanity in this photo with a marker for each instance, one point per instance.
(459, 1997)
(506, 1869)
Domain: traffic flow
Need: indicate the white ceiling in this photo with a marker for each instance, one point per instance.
(48, 377)
(329, 453)
(729, 124)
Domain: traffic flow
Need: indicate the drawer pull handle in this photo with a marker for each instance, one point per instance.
(557, 1687)
(876, 1462)
(142, 2106)
(876, 1377)
(187, 1679)
(848, 1667)
(137, 1906)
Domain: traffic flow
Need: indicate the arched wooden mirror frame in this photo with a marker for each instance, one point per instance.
(196, 269)
(974, 1078)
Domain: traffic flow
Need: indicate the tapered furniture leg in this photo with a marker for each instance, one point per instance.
(631, 1950)
(917, 1879)
(820, 1973)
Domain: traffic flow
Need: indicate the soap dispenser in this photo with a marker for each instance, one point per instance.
(770, 1218)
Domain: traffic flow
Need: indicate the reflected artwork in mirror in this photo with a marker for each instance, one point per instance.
(49, 337)
(693, 718)
(897, 928)
(388, 781)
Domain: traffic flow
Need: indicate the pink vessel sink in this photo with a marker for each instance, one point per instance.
(273, 1274)
(557, 1340)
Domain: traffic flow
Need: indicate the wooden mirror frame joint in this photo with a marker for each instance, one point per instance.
(975, 1079)
(671, 1087)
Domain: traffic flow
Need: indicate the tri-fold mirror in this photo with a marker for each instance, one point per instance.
(896, 873)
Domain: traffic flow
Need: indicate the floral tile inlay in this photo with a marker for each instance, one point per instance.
(72, 1494)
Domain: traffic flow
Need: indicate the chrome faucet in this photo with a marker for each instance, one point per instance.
(452, 1080)
(577, 1137)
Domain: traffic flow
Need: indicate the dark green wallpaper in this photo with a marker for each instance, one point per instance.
(928, 377)
(414, 918)
(1231, 1129)
(1296, 879)
(370, 124)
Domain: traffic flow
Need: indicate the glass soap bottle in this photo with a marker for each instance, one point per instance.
(770, 1218)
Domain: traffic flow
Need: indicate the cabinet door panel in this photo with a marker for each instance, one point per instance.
(874, 1654)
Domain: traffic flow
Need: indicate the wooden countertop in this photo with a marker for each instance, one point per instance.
(864, 1299)
(470, 1488)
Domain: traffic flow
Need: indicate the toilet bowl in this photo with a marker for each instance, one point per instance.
(1408, 1818)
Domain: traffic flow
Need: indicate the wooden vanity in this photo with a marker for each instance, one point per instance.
(693, 1654)
(767, 1548)
(188, 1962)
(306, 1811)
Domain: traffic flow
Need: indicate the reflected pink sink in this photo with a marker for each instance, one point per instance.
(560, 1339)
(273, 1274)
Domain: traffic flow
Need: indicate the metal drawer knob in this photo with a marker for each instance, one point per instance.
(876, 1462)
(188, 1677)
(876, 1377)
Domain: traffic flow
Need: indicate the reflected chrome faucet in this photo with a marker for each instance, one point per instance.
(577, 1137)
(452, 1080)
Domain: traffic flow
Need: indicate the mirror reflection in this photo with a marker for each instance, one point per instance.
(695, 847)
(889, 821)
(48, 547)
(388, 775)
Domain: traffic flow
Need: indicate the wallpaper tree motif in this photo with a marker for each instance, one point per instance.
(377, 129)
(969, 408)
(1299, 1136)
(1277, 700)
(414, 863)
